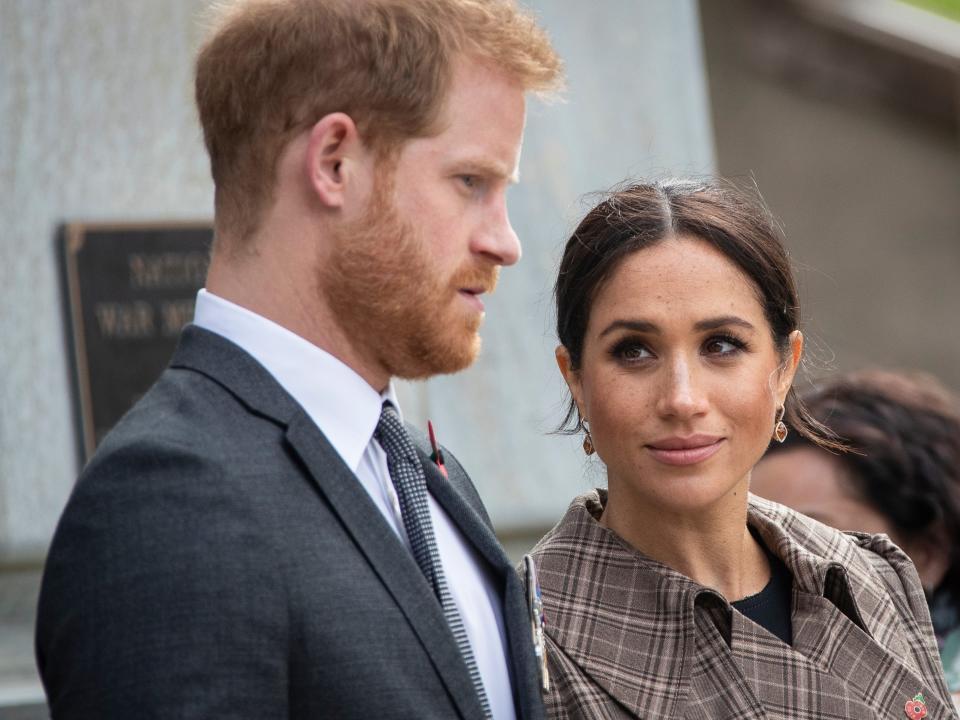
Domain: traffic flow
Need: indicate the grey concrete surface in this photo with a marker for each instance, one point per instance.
(24, 712)
(21, 695)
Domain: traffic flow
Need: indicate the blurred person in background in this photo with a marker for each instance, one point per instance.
(902, 479)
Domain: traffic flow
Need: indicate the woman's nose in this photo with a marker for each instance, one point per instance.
(681, 394)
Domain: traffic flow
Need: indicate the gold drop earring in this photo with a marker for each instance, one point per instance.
(780, 428)
(587, 438)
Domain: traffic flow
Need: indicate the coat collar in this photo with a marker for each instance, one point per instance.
(829, 564)
(609, 607)
(603, 602)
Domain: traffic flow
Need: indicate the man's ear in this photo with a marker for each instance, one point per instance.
(790, 366)
(333, 157)
(571, 376)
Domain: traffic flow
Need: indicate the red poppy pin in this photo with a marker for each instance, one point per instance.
(437, 451)
(916, 708)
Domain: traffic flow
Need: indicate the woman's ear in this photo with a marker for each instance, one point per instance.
(790, 365)
(334, 152)
(571, 376)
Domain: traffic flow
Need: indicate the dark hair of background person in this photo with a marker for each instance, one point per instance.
(637, 216)
(905, 433)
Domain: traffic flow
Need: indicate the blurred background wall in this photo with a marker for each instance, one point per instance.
(98, 124)
(846, 113)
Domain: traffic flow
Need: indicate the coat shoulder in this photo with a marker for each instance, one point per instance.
(861, 553)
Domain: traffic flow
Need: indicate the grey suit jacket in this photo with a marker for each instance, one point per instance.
(218, 560)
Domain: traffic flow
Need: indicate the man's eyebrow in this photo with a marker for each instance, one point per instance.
(487, 168)
(645, 326)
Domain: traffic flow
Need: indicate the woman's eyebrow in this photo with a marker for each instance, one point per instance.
(636, 325)
(645, 326)
(721, 321)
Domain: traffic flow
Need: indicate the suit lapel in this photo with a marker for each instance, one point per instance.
(477, 532)
(515, 616)
(235, 370)
(394, 566)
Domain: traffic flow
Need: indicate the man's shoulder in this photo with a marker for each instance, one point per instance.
(183, 411)
(186, 435)
(182, 474)
(213, 392)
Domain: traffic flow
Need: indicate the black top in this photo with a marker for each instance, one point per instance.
(770, 608)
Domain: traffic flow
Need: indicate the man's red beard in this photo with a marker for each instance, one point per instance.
(389, 300)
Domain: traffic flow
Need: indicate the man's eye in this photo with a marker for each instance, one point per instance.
(469, 181)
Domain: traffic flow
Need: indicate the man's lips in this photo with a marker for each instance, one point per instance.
(472, 296)
(688, 450)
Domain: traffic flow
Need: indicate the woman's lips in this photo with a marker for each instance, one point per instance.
(685, 452)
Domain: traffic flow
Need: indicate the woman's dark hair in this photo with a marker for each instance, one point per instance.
(905, 431)
(635, 217)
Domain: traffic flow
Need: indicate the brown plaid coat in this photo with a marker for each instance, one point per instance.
(628, 637)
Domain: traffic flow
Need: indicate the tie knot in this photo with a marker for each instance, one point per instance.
(391, 434)
(389, 419)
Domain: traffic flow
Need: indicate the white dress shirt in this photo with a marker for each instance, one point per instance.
(347, 410)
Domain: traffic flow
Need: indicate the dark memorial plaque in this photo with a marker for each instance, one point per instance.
(130, 290)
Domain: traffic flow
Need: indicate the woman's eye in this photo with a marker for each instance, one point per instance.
(722, 346)
(632, 352)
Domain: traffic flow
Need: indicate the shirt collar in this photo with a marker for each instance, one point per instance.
(340, 402)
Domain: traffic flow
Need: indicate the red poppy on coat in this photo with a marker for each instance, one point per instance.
(915, 708)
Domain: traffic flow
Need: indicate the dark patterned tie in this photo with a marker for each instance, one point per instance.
(411, 485)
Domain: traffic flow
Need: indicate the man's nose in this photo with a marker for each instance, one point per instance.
(497, 239)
